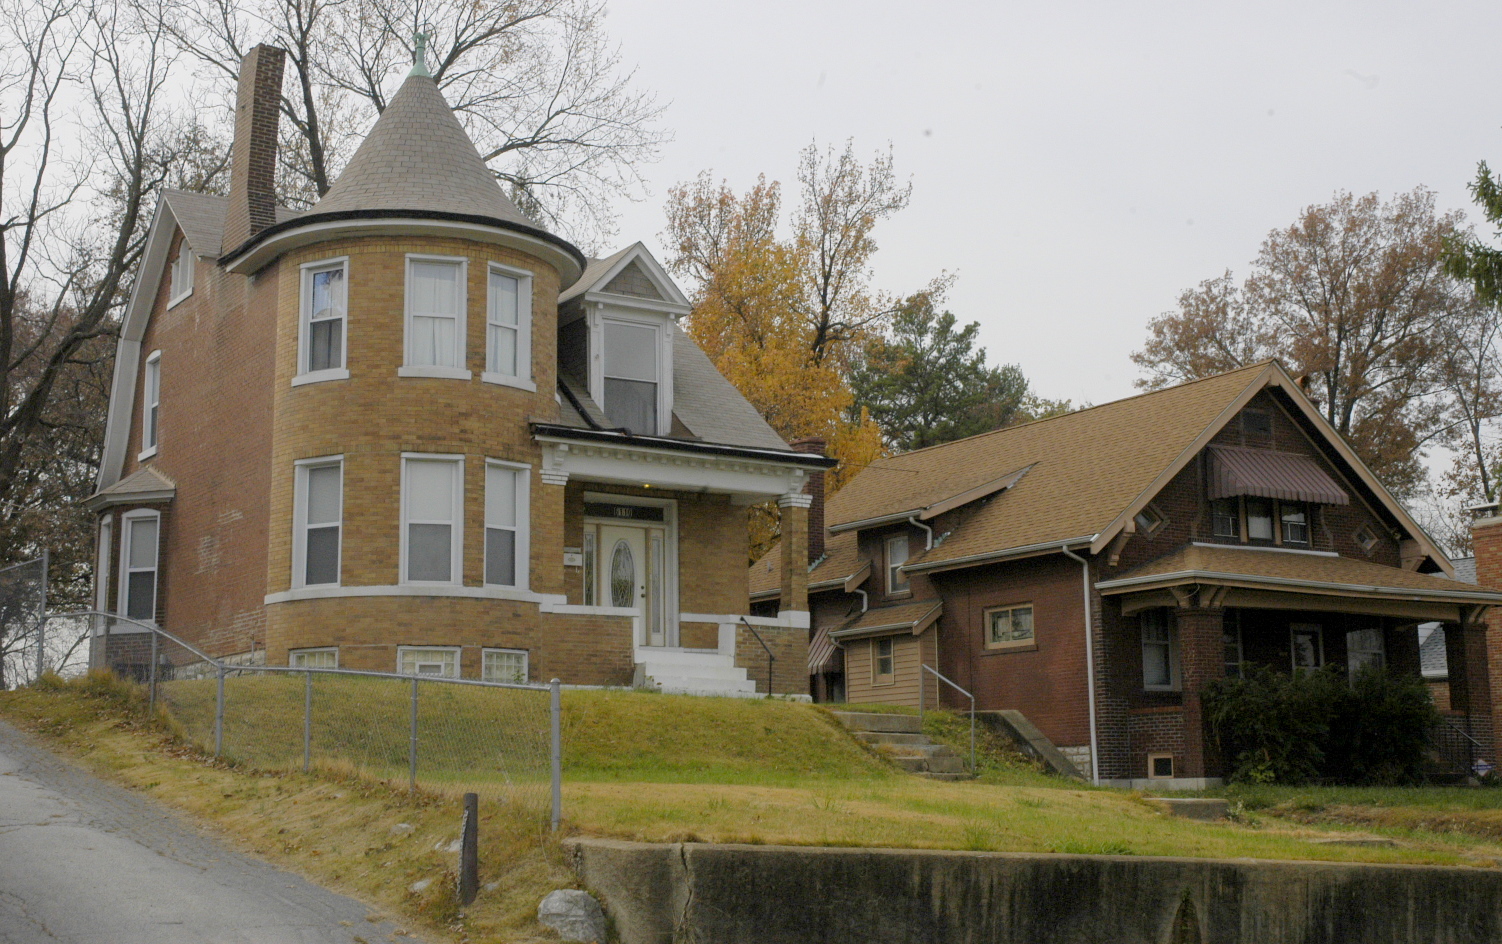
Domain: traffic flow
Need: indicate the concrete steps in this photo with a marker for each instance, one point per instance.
(691, 672)
(901, 739)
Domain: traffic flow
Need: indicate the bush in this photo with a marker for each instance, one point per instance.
(1277, 728)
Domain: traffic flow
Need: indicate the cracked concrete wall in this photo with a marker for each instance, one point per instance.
(729, 894)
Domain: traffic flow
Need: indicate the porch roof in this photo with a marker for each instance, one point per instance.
(912, 617)
(1301, 571)
(145, 486)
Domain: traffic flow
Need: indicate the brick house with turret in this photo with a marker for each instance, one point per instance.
(408, 429)
(1094, 571)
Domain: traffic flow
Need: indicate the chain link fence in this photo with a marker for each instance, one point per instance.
(451, 736)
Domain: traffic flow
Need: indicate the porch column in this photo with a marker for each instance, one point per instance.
(1201, 659)
(794, 510)
(1470, 680)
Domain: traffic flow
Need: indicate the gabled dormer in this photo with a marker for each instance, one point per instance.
(616, 329)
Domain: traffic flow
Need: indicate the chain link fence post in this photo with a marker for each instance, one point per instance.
(219, 713)
(151, 704)
(412, 744)
(307, 722)
(555, 740)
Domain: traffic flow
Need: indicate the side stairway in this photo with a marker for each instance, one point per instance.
(691, 672)
(901, 738)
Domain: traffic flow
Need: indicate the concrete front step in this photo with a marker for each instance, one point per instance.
(663, 656)
(882, 738)
(879, 722)
(698, 685)
(661, 670)
(939, 775)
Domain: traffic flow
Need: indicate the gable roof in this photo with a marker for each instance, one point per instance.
(1088, 473)
(201, 218)
(145, 486)
(603, 276)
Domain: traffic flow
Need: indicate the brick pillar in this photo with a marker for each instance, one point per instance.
(815, 491)
(1467, 651)
(794, 510)
(1201, 660)
(252, 173)
(1486, 541)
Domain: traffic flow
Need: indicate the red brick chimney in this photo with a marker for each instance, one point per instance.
(252, 175)
(1480, 645)
(814, 445)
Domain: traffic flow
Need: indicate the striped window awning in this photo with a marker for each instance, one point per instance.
(1267, 474)
(823, 654)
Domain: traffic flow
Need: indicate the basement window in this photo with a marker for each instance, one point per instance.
(1160, 766)
(504, 665)
(327, 658)
(441, 662)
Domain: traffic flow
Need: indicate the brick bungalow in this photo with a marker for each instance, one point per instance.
(411, 430)
(1095, 570)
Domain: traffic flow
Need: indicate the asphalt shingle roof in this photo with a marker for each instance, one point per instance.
(418, 157)
(201, 218)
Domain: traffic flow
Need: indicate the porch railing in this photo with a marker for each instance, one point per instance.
(936, 674)
(770, 658)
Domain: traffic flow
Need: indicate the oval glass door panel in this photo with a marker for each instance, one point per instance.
(622, 575)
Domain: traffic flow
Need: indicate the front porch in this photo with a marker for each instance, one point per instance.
(1171, 633)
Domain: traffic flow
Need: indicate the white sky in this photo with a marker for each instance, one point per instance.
(1077, 164)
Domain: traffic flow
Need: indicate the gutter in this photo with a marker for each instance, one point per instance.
(1184, 576)
(1089, 665)
(1025, 550)
(574, 433)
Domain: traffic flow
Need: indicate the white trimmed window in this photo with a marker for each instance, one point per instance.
(883, 661)
(102, 565)
(314, 658)
(1365, 649)
(508, 328)
(506, 524)
(318, 513)
(323, 332)
(151, 406)
(631, 376)
(435, 318)
(442, 661)
(432, 518)
(182, 273)
(897, 551)
(1010, 627)
(140, 535)
(1160, 660)
(504, 665)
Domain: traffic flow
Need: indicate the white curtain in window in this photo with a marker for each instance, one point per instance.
(503, 325)
(435, 314)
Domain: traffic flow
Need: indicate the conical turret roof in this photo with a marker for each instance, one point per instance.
(419, 158)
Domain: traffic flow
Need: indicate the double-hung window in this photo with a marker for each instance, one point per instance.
(138, 565)
(1295, 523)
(897, 551)
(631, 376)
(442, 661)
(432, 518)
(1259, 519)
(883, 661)
(151, 406)
(182, 273)
(435, 318)
(506, 524)
(508, 328)
(318, 509)
(504, 665)
(1160, 663)
(1365, 650)
(323, 329)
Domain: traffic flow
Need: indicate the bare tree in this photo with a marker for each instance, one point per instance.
(82, 132)
(536, 83)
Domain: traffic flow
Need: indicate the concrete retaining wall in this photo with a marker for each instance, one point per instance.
(729, 894)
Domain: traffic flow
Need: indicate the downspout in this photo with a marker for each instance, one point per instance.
(926, 530)
(865, 601)
(1089, 664)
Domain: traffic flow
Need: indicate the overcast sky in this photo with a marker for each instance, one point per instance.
(1076, 164)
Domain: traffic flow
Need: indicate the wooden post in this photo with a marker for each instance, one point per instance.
(469, 854)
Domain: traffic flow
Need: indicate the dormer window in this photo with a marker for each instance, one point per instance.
(632, 377)
(182, 273)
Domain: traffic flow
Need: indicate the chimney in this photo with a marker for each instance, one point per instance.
(252, 176)
(814, 445)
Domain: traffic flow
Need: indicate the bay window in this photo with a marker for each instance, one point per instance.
(318, 512)
(508, 328)
(141, 535)
(435, 318)
(506, 524)
(432, 519)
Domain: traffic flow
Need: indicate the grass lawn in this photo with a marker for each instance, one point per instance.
(676, 768)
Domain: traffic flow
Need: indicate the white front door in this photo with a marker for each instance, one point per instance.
(631, 569)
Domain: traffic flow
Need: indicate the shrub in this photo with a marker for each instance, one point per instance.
(1277, 728)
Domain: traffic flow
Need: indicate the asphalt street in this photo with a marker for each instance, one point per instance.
(84, 861)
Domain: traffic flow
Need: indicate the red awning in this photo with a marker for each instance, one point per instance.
(1268, 474)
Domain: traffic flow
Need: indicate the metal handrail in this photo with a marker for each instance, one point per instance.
(770, 658)
(938, 675)
(1459, 730)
